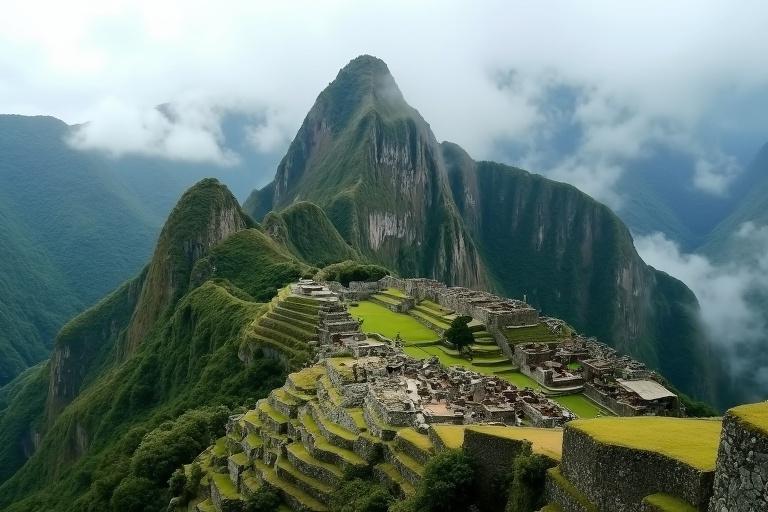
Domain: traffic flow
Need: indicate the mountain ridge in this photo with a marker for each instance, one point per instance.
(427, 209)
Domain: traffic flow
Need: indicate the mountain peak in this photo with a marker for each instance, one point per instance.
(364, 84)
(366, 64)
(205, 215)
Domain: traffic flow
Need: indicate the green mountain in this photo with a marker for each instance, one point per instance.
(752, 208)
(76, 224)
(140, 382)
(400, 199)
(70, 231)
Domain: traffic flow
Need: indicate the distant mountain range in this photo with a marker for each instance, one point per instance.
(75, 224)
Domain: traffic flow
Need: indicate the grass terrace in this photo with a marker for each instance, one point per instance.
(754, 415)
(533, 333)
(388, 323)
(452, 436)
(668, 503)
(691, 441)
(544, 441)
(581, 406)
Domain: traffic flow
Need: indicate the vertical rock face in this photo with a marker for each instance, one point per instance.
(371, 161)
(86, 342)
(205, 215)
(741, 478)
(427, 209)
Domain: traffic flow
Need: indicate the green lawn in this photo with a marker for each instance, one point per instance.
(691, 441)
(521, 380)
(388, 323)
(532, 333)
(581, 406)
(756, 415)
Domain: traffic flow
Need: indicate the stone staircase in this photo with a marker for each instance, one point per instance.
(304, 440)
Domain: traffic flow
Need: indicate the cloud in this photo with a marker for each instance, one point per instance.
(187, 131)
(86, 63)
(732, 295)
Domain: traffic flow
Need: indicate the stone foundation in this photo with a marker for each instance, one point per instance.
(741, 479)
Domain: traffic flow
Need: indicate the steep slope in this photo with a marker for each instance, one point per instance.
(123, 401)
(69, 232)
(306, 229)
(752, 208)
(372, 163)
(572, 257)
(35, 299)
(206, 214)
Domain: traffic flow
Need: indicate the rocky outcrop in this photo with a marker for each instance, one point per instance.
(86, 342)
(741, 479)
(206, 214)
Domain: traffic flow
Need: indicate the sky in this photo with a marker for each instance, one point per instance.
(577, 91)
(484, 75)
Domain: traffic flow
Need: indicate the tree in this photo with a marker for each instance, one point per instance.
(448, 485)
(459, 334)
(526, 492)
(265, 499)
(358, 495)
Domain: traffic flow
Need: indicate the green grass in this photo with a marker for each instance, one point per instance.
(521, 380)
(420, 441)
(668, 503)
(388, 323)
(691, 441)
(306, 379)
(225, 485)
(581, 406)
(387, 300)
(539, 333)
(452, 436)
(396, 293)
(544, 441)
(755, 415)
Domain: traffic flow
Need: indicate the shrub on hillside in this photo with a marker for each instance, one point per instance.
(448, 485)
(526, 490)
(265, 499)
(361, 496)
(349, 270)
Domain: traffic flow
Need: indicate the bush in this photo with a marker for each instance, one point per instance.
(265, 499)
(459, 333)
(136, 495)
(347, 271)
(448, 485)
(361, 496)
(526, 491)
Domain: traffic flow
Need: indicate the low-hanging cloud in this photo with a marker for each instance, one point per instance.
(732, 295)
(187, 131)
(452, 60)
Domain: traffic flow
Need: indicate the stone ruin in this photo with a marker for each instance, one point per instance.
(621, 384)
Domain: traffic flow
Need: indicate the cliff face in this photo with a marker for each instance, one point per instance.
(87, 342)
(372, 163)
(206, 214)
(427, 209)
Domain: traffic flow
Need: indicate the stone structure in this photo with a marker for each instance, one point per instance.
(493, 311)
(741, 478)
(617, 479)
(625, 476)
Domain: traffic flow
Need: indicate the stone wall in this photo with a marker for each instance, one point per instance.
(616, 478)
(494, 457)
(741, 478)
